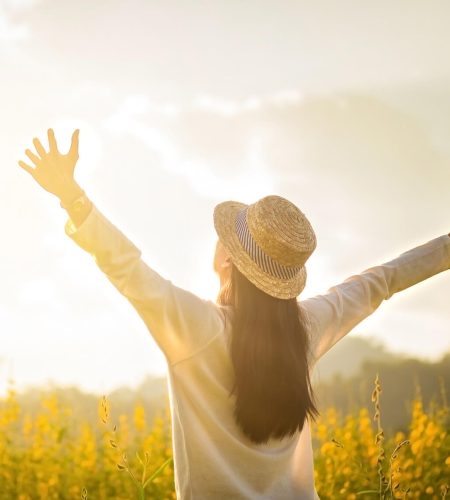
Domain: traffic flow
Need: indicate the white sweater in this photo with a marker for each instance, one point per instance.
(212, 457)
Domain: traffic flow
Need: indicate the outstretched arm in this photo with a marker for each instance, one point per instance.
(343, 306)
(181, 322)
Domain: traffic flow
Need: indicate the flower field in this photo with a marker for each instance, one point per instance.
(354, 460)
(53, 456)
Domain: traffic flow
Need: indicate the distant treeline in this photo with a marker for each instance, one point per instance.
(401, 381)
(346, 385)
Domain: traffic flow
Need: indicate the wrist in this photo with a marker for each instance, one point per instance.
(70, 193)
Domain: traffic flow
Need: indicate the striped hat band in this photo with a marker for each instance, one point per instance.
(264, 261)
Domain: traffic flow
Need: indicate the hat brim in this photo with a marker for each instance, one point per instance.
(224, 222)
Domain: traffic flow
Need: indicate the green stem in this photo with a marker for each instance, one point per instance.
(157, 471)
(141, 492)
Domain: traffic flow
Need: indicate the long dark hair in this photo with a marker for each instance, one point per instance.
(268, 350)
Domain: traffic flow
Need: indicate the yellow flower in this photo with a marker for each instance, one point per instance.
(139, 417)
(399, 436)
(27, 425)
(407, 463)
(431, 429)
(322, 431)
(327, 447)
(416, 446)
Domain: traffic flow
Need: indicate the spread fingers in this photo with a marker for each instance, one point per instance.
(39, 148)
(35, 159)
(26, 167)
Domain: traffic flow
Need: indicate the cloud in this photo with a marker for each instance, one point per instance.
(366, 172)
(346, 147)
(139, 118)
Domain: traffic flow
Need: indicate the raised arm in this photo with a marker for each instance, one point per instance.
(180, 322)
(343, 306)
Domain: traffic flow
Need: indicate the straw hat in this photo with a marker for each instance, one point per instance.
(269, 242)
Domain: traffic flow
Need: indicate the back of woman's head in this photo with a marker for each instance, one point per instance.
(268, 351)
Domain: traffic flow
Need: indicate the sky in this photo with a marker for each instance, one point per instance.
(341, 107)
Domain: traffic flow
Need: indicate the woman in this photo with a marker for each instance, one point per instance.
(239, 368)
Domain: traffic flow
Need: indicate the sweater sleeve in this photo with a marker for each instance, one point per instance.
(179, 321)
(333, 314)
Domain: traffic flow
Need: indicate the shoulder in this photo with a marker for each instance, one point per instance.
(304, 314)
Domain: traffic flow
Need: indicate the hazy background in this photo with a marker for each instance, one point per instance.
(342, 107)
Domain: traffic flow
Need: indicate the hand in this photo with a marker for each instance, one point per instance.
(54, 171)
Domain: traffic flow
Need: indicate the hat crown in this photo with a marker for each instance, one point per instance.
(269, 242)
(281, 230)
